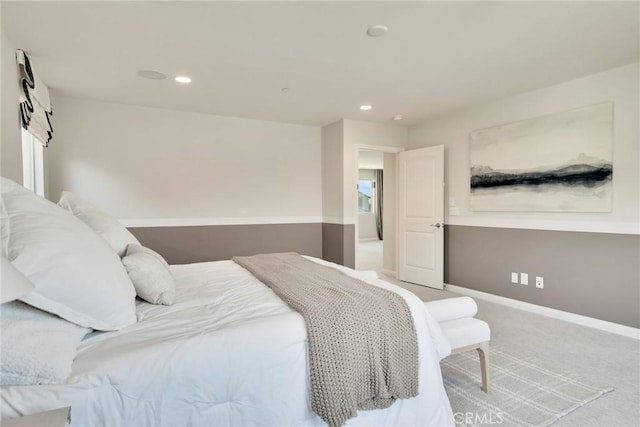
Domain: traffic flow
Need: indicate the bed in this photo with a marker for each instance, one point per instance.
(227, 352)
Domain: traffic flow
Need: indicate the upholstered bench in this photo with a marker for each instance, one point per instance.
(462, 330)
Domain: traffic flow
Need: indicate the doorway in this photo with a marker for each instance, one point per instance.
(412, 196)
(370, 210)
(375, 252)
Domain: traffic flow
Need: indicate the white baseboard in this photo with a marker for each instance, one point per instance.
(535, 223)
(578, 319)
(369, 239)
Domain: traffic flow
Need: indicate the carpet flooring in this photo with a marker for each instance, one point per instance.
(523, 394)
(599, 358)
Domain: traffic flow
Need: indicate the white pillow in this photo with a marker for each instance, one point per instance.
(104, 224)
(137, 248)
(76, 274)
(150, 275)
(37, 347)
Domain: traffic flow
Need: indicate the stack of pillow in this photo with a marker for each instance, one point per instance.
(147, 269)
(87, 270)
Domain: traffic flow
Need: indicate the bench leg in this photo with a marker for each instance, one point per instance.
(483, 353)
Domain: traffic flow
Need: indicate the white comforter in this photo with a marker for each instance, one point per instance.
(229, 352)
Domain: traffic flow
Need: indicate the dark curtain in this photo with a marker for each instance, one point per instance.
(378, 181)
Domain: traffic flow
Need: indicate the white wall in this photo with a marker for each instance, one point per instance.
(332, 172)
(147, 163)
(620, 85)
(367, 220)
(11, 140)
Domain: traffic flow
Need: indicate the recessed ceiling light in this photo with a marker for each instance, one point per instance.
(397, 117)
(377, 31)
(285, 90)
(366, 107)
(183, 79)
(152, 75)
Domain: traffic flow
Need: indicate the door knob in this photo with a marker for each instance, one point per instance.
(437, 225)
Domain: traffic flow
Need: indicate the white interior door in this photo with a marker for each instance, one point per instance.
(421, 216)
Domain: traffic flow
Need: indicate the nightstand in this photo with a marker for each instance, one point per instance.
(55, 418)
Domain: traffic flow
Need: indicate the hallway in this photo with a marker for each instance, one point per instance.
(370, 255)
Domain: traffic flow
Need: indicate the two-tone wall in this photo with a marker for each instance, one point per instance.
(195, 187)
(200, 187)
(590, 261)
(336, 232)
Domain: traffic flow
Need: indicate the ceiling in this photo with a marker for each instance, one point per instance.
(437, 56)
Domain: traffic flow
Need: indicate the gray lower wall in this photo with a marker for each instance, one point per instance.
(592, 274)
(349, 244)
(187, 244)
(338, 243)
(183, 245)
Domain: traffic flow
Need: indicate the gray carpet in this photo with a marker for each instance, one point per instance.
(599, 358)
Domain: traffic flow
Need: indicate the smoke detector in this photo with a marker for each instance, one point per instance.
(377, 31)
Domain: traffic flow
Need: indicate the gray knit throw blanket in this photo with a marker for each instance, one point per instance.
(363, 349)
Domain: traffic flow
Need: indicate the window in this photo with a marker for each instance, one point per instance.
(32, 163)
(365, 195)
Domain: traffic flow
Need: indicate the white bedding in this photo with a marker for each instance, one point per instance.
(229, 352)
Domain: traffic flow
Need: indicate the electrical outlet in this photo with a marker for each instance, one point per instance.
(524, 279)
(514, 278)
(539, 282)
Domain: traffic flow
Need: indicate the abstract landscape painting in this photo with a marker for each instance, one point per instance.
(556, 163)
